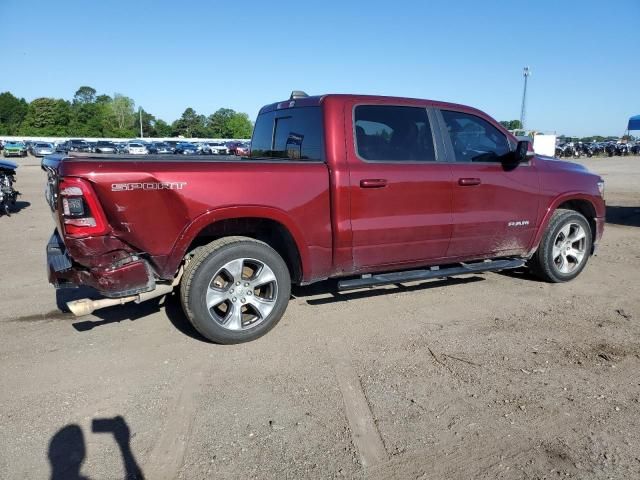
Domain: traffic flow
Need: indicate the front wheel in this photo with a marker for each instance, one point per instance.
(565, 247)
(235, 289)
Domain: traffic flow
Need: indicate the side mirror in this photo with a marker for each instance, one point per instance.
(522, 153)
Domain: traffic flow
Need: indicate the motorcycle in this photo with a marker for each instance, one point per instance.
(610, 149)
(622, 149)
(8, 195)
(587, 150)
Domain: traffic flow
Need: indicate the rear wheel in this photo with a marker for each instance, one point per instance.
(565, 247)
(235, 289)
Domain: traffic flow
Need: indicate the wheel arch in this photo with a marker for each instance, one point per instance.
(577, 202)
(265, 224)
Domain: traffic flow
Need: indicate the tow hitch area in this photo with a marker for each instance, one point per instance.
(430, 273)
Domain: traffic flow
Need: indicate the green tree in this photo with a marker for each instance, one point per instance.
(85, 95)
(148, 124)
(227, 123)
(103, 99)
(12, 113)
(240, 126)
(511, 124)
(47, 116)
(190, 125)
(218, 123)
(88, 119)
(162, 128)
(121, 117)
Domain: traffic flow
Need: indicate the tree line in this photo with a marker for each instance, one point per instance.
(91, 115)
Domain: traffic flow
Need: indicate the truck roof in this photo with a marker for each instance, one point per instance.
(316, 100)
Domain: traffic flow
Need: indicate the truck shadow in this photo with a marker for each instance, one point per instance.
(320, 293)
(627, 216)
(129, 311)
(67, 449)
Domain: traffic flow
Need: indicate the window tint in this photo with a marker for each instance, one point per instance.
(294, 133)
(475, 139)
(394, 134)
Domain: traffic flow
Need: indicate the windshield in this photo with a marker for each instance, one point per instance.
(135, 145)
(43, 145)
(106, 144)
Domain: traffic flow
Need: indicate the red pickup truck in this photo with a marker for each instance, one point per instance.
(373, 190)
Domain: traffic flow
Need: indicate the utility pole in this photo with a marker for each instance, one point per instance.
(526, 73)
(140, 112)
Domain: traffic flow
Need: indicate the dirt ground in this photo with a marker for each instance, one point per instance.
(486, 376)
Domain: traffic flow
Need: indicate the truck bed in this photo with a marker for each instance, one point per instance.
(154, 202)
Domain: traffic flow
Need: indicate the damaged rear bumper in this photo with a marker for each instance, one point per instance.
(126, 277)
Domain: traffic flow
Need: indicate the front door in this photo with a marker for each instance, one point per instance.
(400, 193)
(495, 207)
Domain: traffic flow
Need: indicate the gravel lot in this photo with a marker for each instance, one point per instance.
(488, 376)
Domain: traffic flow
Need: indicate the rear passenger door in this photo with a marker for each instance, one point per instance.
(399, 190)
(495, 205)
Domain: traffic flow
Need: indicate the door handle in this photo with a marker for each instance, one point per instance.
(373, 183)
(468, 182)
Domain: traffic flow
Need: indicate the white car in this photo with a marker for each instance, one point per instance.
(216, 148)
(136, 149)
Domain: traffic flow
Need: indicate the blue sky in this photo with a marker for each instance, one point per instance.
(168, 55)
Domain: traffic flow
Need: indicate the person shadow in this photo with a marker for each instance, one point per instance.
(67, 449)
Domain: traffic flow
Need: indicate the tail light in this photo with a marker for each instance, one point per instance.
(81, 213)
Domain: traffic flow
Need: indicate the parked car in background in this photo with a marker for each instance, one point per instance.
(186, 148)
(151, 147)
(134, 148)
(163, 148)
(40, 149)
(61, 147)
(215, 148)
(232, 146)
(76, 145)
(103, 146)
(243, 149)
(14, 149)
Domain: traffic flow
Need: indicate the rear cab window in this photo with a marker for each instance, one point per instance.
(291, 133)
(390, 133)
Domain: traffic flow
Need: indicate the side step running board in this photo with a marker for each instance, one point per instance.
(427, 274)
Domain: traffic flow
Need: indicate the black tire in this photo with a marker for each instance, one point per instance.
(198, 275)
(542, 263)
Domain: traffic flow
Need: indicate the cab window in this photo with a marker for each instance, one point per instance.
(294, 133)
(389, 133)
(474, 139)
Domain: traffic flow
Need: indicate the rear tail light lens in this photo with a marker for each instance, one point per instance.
(81, 214)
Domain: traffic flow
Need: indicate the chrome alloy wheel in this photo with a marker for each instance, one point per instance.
(569, 248)
(242, 294)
